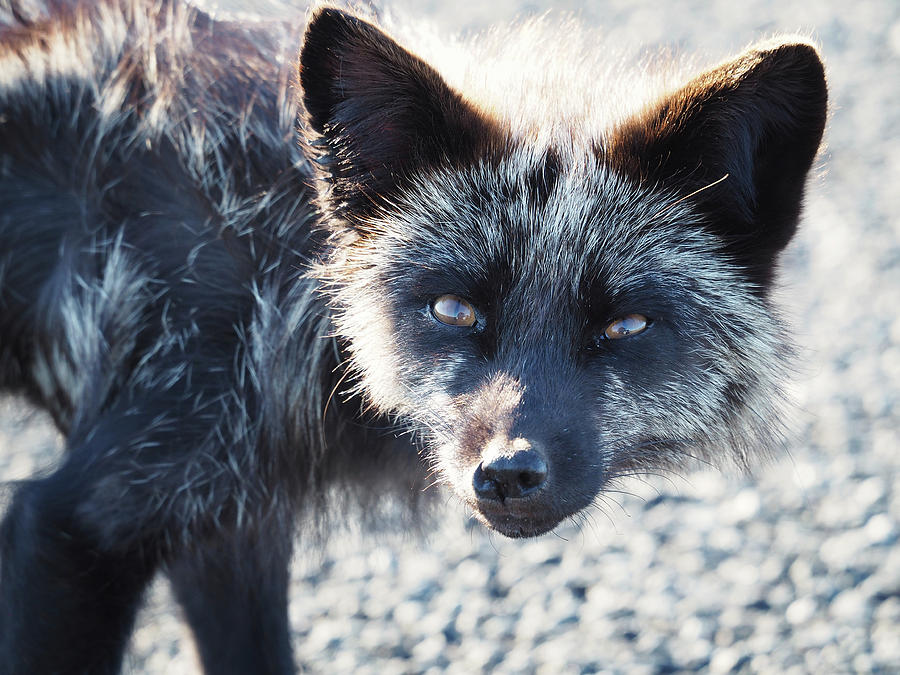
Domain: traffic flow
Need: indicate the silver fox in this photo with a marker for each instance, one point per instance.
(250, 287)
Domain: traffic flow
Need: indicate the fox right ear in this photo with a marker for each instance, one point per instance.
(757, 119)
(376, 112)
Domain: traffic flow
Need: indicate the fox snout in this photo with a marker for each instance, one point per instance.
(521, 469)
(515, 490)
(512, 493)
(520, 449)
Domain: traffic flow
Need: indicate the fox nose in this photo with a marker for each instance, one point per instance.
(510, 470)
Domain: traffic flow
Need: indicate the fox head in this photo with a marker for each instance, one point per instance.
(550, 316)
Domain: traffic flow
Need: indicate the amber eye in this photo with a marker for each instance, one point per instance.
(626, 326)
(453, 311)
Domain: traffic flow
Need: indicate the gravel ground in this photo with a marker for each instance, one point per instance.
(794, 570)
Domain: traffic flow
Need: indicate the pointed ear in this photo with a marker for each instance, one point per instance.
(759, 119)
(376, 112)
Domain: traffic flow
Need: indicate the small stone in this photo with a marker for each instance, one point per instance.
(888, 611)
(744, 506)
(880, 529)
(885, 644)
(429, 650)
(850, 606)
(724, 660)
(800, 611)
(842, 551)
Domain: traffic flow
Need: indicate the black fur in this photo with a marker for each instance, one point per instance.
(227, 304)
(381, 112)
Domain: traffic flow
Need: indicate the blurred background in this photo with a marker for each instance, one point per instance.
(793, 570)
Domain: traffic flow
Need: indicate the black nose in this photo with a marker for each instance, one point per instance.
(510, 471)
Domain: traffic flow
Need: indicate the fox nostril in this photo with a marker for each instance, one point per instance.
(510, 476)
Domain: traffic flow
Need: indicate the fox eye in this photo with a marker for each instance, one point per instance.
(627, 326)
(453, 311)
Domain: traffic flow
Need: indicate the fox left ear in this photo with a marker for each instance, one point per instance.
(759, 119)
(376, 112)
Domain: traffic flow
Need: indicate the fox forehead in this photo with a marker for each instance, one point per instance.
(569, 221)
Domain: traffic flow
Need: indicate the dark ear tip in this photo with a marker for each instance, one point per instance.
(790, 46)
(795, 72)
(325, 29)
(330, 34)
(326, 20)
(793, 54)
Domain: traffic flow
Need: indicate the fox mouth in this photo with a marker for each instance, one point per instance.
(515, 523)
